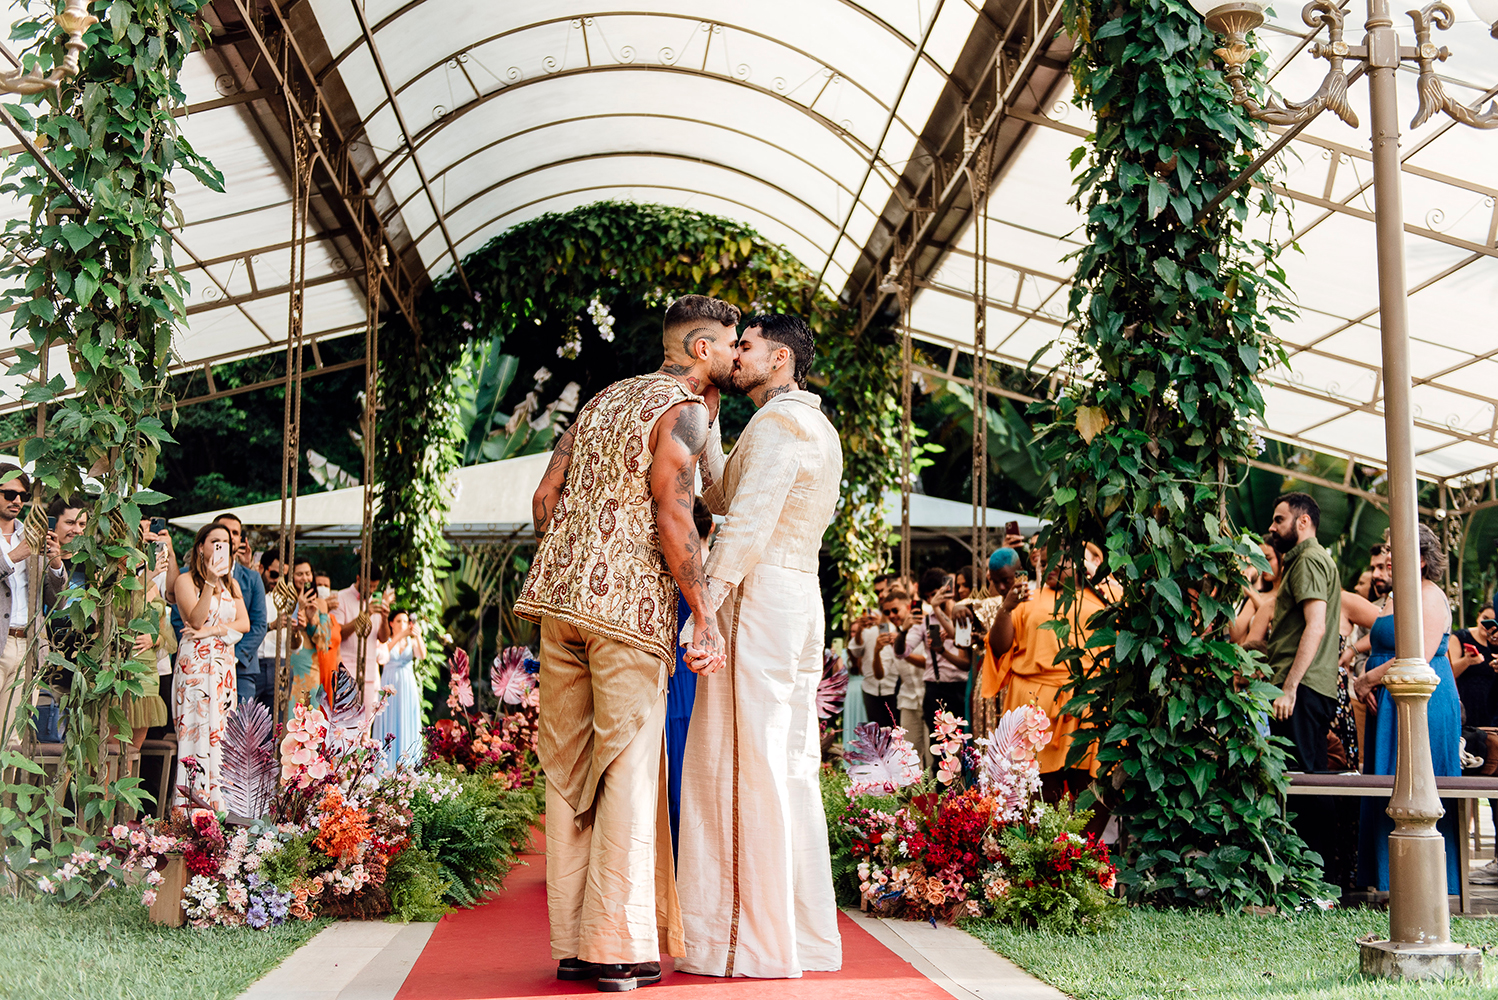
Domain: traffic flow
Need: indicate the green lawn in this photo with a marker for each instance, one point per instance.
(1157, 953)
(110, 951)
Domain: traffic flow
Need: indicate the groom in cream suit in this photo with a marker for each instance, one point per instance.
(753, 873)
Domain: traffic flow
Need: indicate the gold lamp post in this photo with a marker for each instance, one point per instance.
(1419, 944)
(75, 20)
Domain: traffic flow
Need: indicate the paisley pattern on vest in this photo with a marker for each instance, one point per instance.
(600, 566)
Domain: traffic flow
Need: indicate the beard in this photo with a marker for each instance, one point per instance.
(722, 377)
(1280, 543)
(745, 381)
(1380, 587)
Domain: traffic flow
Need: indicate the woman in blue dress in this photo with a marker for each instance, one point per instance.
(401, 717)
(1381, 736)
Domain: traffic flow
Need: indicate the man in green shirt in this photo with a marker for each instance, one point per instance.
(1302, 642)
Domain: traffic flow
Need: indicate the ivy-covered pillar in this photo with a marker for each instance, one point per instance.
(91, 269)
(1171, 327)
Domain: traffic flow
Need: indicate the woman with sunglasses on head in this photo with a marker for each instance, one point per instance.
(214, 618)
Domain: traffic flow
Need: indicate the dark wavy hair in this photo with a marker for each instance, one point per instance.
(790, 331)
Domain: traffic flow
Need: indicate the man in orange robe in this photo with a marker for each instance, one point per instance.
(1021, 661)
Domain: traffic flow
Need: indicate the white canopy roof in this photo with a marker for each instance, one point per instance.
(490, 501)
(461, 118)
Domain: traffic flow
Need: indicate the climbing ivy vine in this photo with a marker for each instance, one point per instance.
(578, 296)
(93, 272)
(1171, 320)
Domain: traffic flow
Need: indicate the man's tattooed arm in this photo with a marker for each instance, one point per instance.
(544, 503)
(681, 438)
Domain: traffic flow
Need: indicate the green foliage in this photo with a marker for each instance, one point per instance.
(414, 883)
(1172, 321)
(1049, 889)
(839, 838)
(473, 837)
(581, 293)
(862, 376)
(293, 860)
(98, 277)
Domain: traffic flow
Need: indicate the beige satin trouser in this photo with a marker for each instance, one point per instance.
(611, 894)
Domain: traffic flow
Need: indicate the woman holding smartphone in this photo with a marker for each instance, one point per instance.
(314, 642)
(214, 618)
(399, 723)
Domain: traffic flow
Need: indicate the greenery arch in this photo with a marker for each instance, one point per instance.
(582, 291)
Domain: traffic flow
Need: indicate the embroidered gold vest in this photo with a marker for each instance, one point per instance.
(600, 566)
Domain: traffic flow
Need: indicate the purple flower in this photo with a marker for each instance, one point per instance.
(256, 916)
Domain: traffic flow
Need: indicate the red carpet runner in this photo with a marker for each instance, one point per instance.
(502, 949)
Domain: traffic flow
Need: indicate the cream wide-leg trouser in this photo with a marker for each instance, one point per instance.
(754, 871)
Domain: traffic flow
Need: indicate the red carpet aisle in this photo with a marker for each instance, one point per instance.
(502, 949)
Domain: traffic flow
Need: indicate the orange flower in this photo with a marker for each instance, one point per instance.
(345, 829)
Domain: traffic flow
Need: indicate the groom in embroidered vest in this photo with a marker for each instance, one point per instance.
(615, 514)
(754, 869)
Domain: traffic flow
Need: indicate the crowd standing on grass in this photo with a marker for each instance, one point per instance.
(220, 633)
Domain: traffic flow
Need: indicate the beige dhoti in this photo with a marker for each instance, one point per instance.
(611, 895)
(754, 871)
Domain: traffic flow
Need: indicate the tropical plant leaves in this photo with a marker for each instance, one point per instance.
(248, 770)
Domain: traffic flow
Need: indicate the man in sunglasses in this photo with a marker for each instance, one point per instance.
(15, 590)
(269, 567)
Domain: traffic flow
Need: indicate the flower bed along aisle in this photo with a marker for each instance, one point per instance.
(973, 840)
(342, 833)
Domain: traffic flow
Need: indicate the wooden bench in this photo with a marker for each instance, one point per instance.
(1463, 789)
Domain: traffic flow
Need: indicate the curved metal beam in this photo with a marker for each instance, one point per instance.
(381, 177)
(587, 157)
(617, 187)
(400, 119)
(624, 114)
(868, 14)
(422, 134)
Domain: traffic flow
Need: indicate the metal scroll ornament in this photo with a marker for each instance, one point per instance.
(1236, 20)
(1433, 96)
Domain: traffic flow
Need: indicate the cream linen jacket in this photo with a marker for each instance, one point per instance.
(778, 490)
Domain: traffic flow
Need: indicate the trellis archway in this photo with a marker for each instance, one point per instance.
(583, 291)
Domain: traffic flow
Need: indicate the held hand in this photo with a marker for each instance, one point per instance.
(961, 613)
(713, 399)
(143, 642)
(885, 639)
(54, 550)
(706, 654)
(1284, 705)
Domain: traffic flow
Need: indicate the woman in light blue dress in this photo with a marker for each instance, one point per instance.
(1381, 735)
(398, 726)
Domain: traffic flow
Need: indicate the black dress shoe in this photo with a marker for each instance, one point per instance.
(618, 978)
(576, 970)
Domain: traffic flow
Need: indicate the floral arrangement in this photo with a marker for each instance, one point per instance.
(501, 746)
(480, 746)
(513, 677)
(971, 840)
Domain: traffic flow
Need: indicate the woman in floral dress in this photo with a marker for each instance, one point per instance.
(203, 688)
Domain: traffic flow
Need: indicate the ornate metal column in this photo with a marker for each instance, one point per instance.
(1419, 944)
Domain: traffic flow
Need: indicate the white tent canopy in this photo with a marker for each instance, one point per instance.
(493, 501)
